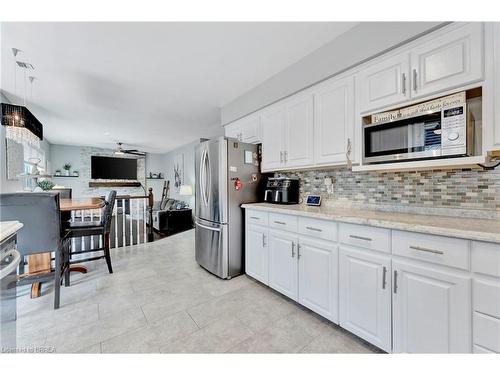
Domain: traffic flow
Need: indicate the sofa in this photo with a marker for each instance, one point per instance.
(168, 219)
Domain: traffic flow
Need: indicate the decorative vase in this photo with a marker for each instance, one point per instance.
(66, 172)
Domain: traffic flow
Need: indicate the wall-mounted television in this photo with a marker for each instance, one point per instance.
(110, 168)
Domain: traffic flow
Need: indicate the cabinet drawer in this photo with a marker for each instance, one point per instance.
(257, 217)
(487, 297)
(453, 252)
(284, 222)
(324, 229)
(485, 258)
(364, 236)
(487, 332)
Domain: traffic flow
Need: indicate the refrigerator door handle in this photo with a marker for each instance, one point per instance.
(204, 168)
(207, 227)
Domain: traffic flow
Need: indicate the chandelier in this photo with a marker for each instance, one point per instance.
(20, 124)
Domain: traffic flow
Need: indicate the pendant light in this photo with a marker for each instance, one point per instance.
(20, 124)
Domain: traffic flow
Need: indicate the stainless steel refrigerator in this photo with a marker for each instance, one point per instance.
(227, 175)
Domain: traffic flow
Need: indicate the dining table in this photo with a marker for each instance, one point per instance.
(41, 263)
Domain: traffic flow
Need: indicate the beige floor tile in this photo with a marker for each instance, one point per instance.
(217, 337)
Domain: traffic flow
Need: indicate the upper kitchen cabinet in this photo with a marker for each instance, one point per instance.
(451, 60)
(496, 67)
(287, 134)
(447, 59)
(247, 129)
(384, 83)
(273, 130)
(333, 121)
(298, 150)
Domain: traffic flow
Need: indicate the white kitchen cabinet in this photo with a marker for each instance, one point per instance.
(450, 60)
(333, 121)
(233, 130)
(385, 83)
(256, 253)
(283, 267)
(365, 295)
(246, 130)
(431, 309)
(318, 276)
(496, 67)
(299, 142)
(273, 138)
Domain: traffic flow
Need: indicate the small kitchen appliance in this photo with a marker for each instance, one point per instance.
(282, 190)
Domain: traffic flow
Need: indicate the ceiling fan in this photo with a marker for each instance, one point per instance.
(121, 151)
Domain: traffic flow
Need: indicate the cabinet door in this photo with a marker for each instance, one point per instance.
(432, 310)
(299, 132)
(256, 253)
(283, 270)
(333, 121)
(450, 60)
(318, 277)
(385, 83)
(233, 130)
(273, 124)
(250, 128)
(365, 295)
(496, 67)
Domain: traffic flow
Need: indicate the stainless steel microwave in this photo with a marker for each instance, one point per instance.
(441, 128)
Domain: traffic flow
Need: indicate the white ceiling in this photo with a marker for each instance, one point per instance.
(151, 85)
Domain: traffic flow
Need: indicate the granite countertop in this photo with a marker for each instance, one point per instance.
(8, 228)
(468, 228)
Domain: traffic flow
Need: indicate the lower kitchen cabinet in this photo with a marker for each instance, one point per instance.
(257, 255)
(432, 309)
(365, 295)
(318, 281)
(283, 267)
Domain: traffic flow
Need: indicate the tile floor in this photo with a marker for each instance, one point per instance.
(160, 301)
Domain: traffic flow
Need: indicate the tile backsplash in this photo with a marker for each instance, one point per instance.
(466, 192)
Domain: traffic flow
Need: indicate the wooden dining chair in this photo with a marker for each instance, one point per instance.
(100, 228)
(41, 233)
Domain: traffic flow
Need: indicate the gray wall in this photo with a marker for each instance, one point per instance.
(79, 158)
(189, 177)
(362, 42)
(155, 163)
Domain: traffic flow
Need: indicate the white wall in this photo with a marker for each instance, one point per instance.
(360, 43)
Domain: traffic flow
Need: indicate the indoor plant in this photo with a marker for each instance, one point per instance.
(67, 167)
(45, 185)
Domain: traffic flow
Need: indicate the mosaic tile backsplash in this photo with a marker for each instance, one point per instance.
(473, 193)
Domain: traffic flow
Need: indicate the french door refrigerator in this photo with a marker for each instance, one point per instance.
(227, 175)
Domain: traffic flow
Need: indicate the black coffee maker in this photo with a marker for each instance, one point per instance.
(282, 190)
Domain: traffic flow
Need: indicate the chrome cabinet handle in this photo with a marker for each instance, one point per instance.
(414, 79)
(298, 251)
(279, 222)
(360, 238)
(384, 277)
(395, 282)
(293, 249)
(403, 84)
(264, 240)
(427, 250)
(255, 217)
(315, 229)
(281, 156)
(285, 156)
(348, 153)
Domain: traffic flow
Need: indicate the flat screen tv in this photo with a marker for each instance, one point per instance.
(109, 168)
